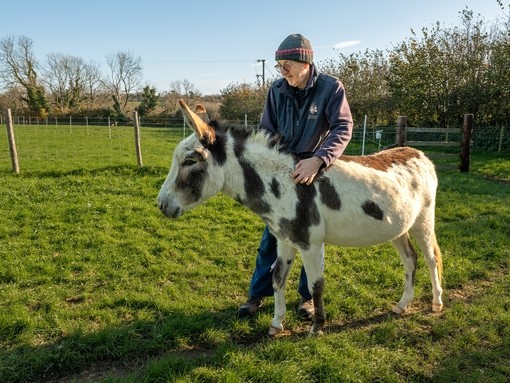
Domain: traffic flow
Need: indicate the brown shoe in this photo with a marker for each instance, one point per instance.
(250, 307)
(306, 309)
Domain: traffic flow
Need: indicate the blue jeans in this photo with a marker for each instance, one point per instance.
(262, 280)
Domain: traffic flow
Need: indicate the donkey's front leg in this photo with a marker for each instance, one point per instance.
(286, 255)
(313, 261)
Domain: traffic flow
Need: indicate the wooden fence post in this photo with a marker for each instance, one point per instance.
(401, 130)
(137, 139)
(467, 131)
(12, 143)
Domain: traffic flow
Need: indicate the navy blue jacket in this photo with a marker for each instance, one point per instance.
(321, 124)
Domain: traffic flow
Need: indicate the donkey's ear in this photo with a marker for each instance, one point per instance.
(205, 133)
(202, 112)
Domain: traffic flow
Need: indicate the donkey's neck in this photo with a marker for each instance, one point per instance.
(254, 169)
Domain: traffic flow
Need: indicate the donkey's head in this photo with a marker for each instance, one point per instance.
(195, 174)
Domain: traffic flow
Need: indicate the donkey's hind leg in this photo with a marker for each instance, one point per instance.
(408, 257)
(427, 242)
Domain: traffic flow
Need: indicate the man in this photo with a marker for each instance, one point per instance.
(309, 113)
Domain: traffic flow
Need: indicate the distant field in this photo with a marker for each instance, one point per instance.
(47, 148)
(97, 286)
(67, 148)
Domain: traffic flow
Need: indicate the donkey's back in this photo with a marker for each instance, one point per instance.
(373, 199)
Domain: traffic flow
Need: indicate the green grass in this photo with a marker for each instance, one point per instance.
(97, 286)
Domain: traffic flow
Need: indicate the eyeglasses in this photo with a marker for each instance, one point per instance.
(284, 67)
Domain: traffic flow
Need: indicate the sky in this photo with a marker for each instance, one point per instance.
(213, 44)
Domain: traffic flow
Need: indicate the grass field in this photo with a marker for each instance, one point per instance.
(97, 286)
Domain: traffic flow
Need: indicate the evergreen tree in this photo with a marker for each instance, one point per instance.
(149, 101)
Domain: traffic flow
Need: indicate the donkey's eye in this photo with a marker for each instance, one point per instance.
(188, 162)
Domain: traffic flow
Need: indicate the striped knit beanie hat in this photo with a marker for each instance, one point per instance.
(295, 47)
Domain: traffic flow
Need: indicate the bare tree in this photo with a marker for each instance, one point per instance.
(18, 66)
(10, 99)
(184, 88)
(94, 92)
(17, 59)
(125, 75)
(64, 76)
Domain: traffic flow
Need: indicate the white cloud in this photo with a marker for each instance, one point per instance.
(346, 44)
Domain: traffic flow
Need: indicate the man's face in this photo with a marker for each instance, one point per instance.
(296, 73)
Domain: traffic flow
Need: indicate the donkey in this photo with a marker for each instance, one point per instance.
(355, 202)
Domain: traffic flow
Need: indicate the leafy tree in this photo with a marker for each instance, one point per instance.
(497, 108)
(422, 78)
(240, 99)
(117, 113)
(435, 78)
(149, 101)
(364, 76)
(438, 78)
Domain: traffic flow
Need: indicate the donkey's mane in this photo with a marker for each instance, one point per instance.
(249, 135)
(380, 160)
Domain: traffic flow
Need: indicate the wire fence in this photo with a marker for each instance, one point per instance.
(65, 144)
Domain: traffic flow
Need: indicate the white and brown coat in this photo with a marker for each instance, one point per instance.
(356, 201)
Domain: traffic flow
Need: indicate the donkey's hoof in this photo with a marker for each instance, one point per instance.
(398, 310)
(273, 330)
(315, 333)
(437, 307)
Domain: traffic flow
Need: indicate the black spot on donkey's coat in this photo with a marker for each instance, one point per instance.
(253, 185)
(373, 210)
(254, 189)
(193, 183)
(307, 214)
(328, 193)
(274, 186)
(217, 148)
(240, 136)
(278, 274)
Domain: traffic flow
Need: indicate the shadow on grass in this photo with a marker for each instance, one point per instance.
(490, 364)
(364, 323)
(182, 342)
(180, 335)
(182, 338)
